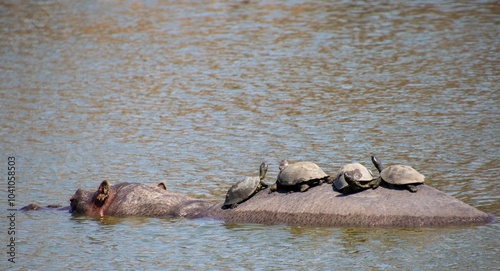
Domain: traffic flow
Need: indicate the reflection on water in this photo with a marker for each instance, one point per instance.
(198, 94)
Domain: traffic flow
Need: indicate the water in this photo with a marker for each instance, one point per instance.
(199, 94)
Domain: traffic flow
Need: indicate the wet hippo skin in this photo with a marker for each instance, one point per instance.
(319, 206)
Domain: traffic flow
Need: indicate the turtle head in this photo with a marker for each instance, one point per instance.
(263, 170)
(283, 164)
(377, 163)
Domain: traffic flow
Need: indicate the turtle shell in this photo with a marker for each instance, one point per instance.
(357, 171)
(300, 172)
(401, 175)
(242, 190)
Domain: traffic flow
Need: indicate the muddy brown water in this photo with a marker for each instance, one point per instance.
(198, 94)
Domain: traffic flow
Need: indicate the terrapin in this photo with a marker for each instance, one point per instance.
(299, 176)
(353, 178)
(399, 175)
(245, 189)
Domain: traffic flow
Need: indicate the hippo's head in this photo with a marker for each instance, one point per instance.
(91, 203)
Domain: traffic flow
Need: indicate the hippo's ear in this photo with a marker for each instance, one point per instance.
(162, 186)
(102, 193)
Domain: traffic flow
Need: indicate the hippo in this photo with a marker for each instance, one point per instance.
(319, 206)
(134, 199)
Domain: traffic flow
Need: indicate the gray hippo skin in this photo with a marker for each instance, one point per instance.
(319, 206)
(134, 199)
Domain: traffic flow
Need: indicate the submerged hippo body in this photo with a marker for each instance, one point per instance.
(134, 199)
(319, 206)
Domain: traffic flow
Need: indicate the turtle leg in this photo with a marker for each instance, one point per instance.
(263, 185)
(351, 188)
(233, 206)
(304, 187)
(273, 188)
(329, 180)
(412, 188)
